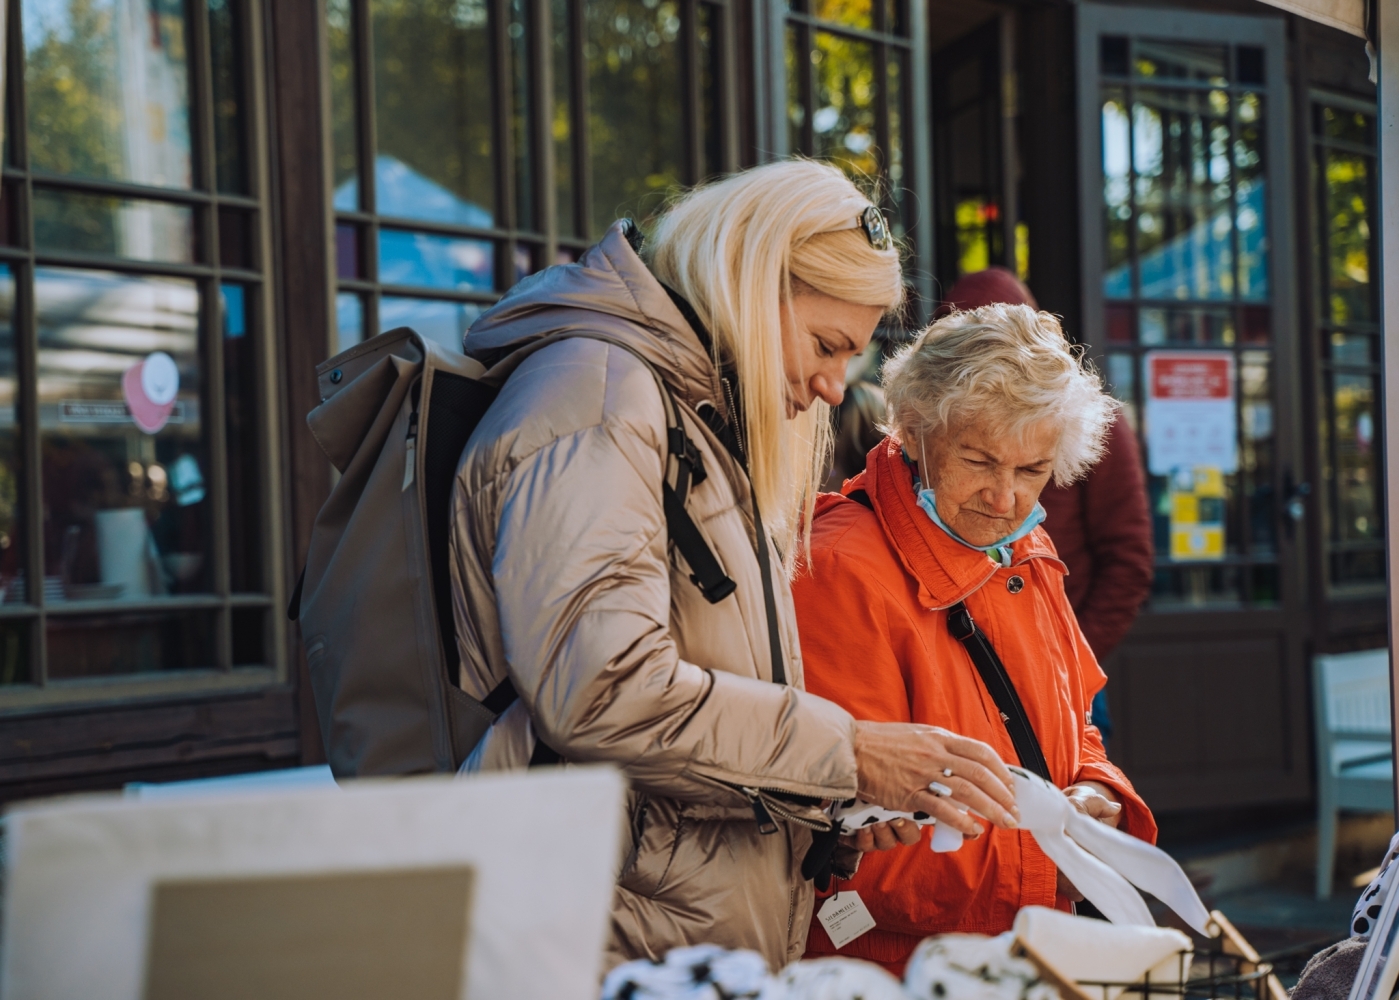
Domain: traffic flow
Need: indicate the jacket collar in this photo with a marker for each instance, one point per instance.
(609, 284)
(946, 571)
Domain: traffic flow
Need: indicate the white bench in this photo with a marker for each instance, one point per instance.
(1354, 748)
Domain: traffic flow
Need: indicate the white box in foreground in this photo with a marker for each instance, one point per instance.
(541, 848)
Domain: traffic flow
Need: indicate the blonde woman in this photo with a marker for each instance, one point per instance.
(568, 581)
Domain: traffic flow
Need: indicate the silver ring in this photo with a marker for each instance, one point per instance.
(947, 772)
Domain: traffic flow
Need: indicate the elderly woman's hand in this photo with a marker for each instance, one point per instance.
(897, 761)
(1095, 800)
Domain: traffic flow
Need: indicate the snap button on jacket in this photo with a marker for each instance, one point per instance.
(873, 613)
(563, 579)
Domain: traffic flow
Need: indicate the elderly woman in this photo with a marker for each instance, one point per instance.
(986, 406)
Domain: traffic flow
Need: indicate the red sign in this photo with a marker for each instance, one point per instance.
(1191, 376)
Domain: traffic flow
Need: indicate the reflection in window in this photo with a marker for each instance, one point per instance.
(431, 261)
(349, 320)
(635, 117)
(439, 320)
(101, 646)
(124, 448)
(107, 89)
(846, 91)
(851, 13)
(561, 126)
(1345, 178)
(12, 535)
(226, 55)
(1347, 214)
(433, 105)
(242, 430)
(1186, 262)
(70, 222)
(344, 154)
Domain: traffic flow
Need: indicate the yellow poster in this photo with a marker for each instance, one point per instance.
(1197, 514)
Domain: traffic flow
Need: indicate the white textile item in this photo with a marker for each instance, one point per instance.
(834, 979)
(1091, 951)
(972, 967)
(701, 972)
(1367, 907)
(1101, 861)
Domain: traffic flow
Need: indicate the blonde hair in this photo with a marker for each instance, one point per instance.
(739, 249)
(1010, 366)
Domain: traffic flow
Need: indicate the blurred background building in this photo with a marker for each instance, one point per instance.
(248, 187)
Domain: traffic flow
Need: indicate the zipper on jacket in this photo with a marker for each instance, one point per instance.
(765, 807)
(410, 451)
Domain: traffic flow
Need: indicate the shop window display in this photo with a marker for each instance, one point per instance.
(134, 474)
(440, 120)
(1186, 279)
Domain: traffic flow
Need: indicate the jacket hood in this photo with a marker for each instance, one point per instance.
(946, 570)
(608, 291)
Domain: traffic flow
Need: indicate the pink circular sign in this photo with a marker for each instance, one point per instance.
(150, 387)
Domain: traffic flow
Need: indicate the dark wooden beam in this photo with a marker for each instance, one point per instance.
(86, 749)
(1048, 125)
(302, 272)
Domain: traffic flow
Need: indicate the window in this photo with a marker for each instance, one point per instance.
(135, 485)
(850, 95)
(1346, 332)
(478, 141)
(1187, 295)
(977, 173)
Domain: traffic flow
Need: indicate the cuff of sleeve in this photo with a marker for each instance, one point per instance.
(845, 862)
(1136, 817)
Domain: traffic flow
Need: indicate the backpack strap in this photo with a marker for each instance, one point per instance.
(999, 685)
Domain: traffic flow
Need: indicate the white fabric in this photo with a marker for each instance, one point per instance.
(834, 979)
(1371, 901)
(1104, 863)
(1092, 951)
(1101, 862)
(701, 972)
(972, 967)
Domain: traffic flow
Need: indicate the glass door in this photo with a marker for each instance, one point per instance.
(1188, 295)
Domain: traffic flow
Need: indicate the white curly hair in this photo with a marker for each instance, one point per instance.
(1008, 366)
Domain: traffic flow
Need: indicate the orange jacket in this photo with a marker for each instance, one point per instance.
(872, 613)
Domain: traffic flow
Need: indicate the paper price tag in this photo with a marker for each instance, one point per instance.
(845, 918)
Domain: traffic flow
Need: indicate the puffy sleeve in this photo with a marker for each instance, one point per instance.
(581, 576)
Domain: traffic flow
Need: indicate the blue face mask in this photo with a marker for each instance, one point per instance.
(998, 550)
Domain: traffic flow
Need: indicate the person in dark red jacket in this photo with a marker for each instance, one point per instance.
(1101, 524)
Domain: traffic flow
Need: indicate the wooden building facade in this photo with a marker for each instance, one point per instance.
(203, 199)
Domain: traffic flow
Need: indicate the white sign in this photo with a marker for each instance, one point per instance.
(1190, 418)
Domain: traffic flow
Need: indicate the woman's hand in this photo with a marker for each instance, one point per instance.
(1095, 800)
(883, 836)
(897, 761)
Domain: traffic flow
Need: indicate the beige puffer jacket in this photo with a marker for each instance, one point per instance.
(563, 578)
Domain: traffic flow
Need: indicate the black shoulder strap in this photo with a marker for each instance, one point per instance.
(998, 683)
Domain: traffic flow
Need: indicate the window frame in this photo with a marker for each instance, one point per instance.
(915, 119)
(205, 200)
(1321, 326)
(1094, 21)
(545, 241)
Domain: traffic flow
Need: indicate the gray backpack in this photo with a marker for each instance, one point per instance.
(374, 600)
